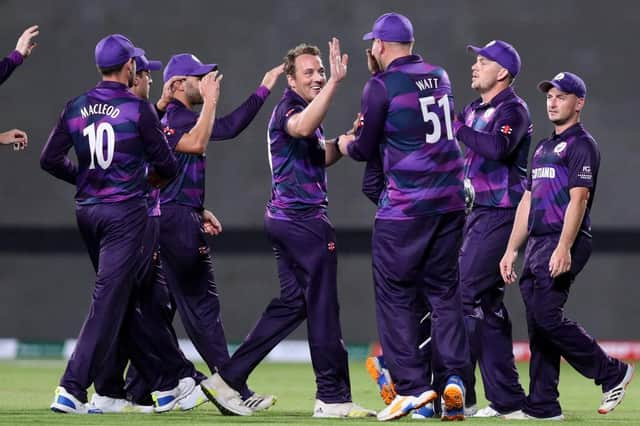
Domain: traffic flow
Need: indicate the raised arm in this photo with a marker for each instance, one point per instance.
(305, 123)
(197, 139)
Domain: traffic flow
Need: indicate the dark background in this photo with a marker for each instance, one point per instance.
(45, 275)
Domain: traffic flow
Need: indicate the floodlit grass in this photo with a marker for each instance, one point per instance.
(26, 390)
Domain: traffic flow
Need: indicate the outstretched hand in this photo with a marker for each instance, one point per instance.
(337, 60)
(17, 137)
(210, 87)
(25, 43)
(271, 77)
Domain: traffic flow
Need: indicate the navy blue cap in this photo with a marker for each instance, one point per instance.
(501, 52)
(186, 64)
(566, 82)
(144, 64)
(391, 27)
(115, 49)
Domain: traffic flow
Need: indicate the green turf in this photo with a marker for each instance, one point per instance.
(26, 390)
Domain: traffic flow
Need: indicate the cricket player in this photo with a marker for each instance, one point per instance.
(407, 119)
(186, 256)
(113, 395)
(303, 241)
(496, 130)
(554, 216)
(116, 137)
(24, 47)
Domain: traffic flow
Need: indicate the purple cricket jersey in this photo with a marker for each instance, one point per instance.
(408, 114)
(497, 136)
(188, 186)
(298, 177)
(561, 162)
(8, 64)
(116, 137)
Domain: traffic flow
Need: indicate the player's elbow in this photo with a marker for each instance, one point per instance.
(46, 162)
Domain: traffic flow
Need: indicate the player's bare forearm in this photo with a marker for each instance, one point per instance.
(519, 231)
(573, 216)
(305, 123)
(332, 153)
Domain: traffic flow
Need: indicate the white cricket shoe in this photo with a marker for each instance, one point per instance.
(471, 410)
(64, 402)
(340, 409)
(521, 415)
(107, 404)
(613, 398)
(166, 400)
(403, 405)
(257, 402)
(227, 399)
(195, 399)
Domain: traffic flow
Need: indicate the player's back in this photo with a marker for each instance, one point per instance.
(104, 126)
(421, 158)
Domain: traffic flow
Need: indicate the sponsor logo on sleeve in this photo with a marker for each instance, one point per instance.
(585, 173)
(506, 129)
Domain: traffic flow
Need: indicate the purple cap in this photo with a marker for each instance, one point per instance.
(566, 82)
(144, 64)
(115, 49)
(501, 52)
(391, 27)
(186, 64)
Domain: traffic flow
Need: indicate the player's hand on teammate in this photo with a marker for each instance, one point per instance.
(337, 60)
(210, 87)
(26, 43)
(560, 261)
(344, 141)
(210, 223)
(168, 91)
(508, 266)
(271, 77)
(372, 64)
(17, 137)
(357, 123)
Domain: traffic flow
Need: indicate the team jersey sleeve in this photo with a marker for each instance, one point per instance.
(157, 149)
(9, 64)
(582, 164)
(374, 110)
(54, 159)
(373, 180)
(230, 125)
(510, 127)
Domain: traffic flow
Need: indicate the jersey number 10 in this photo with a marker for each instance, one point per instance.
(96, 143)
(430, 116)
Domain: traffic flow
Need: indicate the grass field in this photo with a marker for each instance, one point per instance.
(26, 390)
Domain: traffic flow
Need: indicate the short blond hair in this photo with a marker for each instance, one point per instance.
(301, 49)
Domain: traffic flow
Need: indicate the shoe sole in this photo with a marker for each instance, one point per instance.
(604, 410)
(386, 392)
(401, 413)
(453, 403)
(223, 409)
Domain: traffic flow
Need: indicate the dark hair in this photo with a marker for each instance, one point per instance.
(301, 49)
(112, 69)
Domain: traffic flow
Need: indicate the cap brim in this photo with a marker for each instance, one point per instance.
(368, 36)
(137, 52)
(546, 85)
(204, 69)
(473, 49)
(480, 51)
(154, 65)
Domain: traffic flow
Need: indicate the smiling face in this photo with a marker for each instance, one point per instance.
(308, 77)
(563, 108)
